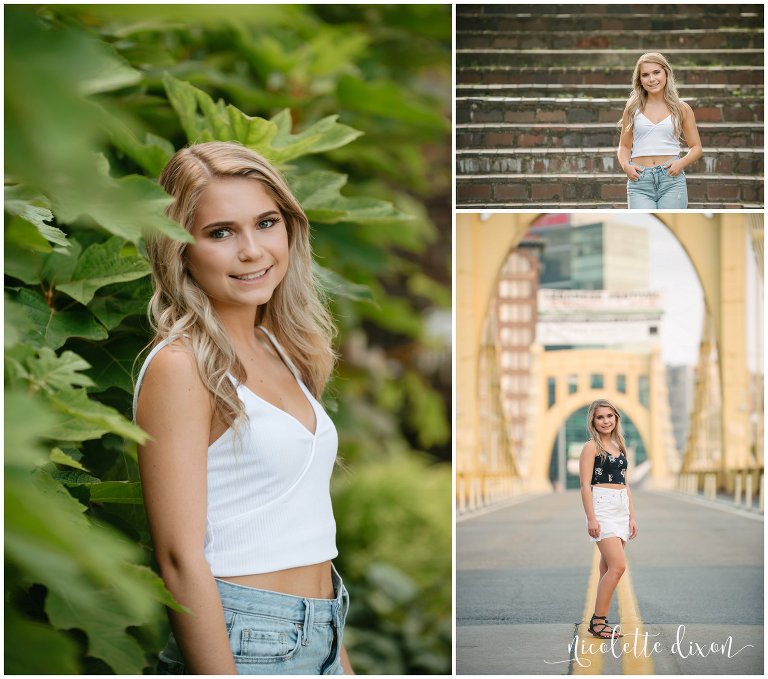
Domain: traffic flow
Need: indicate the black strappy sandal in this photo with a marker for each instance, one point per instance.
(613, 634)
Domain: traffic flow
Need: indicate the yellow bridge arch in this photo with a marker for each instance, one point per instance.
(716, 245)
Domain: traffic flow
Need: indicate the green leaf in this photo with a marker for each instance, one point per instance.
(34, 213)
(324, 135)
(74, 478)
(114, 303)
(60, 457)
(152, 154)
(390, 100)
(51, 372)
(112, 361)
(18, 324)
(23, 641)
(319, 195)
(155, 583)
(100, 265)
(270, 138)
(126, 207)
(26, 420)
(338, 286)
(120, 492)
(53, 327)
(105, 621)
(76, 404)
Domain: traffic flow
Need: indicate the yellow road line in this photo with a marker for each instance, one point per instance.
(592, 660)
(629, 616)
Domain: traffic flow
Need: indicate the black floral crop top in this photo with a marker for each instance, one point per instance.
(613, 470)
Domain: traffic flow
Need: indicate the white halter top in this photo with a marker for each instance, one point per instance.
(654, 140)
(269, 502)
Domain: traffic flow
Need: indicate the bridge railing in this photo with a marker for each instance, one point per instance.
(475, 490)
(744, 485)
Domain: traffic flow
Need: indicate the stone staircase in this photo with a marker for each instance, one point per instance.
(540, 88)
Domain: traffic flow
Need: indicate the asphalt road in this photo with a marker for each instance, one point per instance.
(523, 572)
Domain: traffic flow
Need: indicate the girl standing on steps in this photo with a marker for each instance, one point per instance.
(607, 503)
(649, 147)
(236, 474)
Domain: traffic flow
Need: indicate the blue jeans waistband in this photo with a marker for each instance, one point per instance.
(653, 168)
(285, 606)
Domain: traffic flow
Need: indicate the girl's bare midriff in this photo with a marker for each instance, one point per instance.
(650, 161)
(312, 581)
(618, 486)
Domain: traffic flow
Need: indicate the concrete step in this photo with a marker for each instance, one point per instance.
(533, 189)
(599, 90)
(703, 38)
(596, 205)
(725, 74)
(593, 110)
(595, 21)
(540, 160)
(604, 57)
(548, 135)
(611, 9)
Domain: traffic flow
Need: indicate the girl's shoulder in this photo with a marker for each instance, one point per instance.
(590, 447)
(170, 365)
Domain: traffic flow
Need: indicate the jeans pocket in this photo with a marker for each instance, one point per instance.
(257, 638)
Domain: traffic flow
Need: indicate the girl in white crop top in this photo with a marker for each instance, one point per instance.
(649, 148)
(236, 475)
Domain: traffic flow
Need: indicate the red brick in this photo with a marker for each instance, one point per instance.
(519, 116)
(723, 192)
(742, 114)
(550, 116)
(530, 140)
(510, 191)
(708, 115)
(613, 191)
(493, 116)
(696, 192)
(466, 191)
(723, 165)
(499, 139)
(546, 191)
(609, 116)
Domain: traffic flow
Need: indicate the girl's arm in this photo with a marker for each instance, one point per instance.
(175, 408)
(624, 153)
(345, 661)
(632, 524)
(692, 138)
(586, 467)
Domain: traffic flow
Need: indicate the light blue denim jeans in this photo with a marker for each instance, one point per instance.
(273, 633)
(655, 189)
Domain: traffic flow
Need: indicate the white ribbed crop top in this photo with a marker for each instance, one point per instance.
(654, 140)
(269, 502)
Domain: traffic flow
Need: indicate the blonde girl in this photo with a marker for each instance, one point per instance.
(654, 119)
(236, 474)
(607, 503)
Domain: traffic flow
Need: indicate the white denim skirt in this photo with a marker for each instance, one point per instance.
(611, 507)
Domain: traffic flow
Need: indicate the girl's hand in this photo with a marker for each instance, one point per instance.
(632, 172)
(593, 528)
(632, 529)
(675, 167)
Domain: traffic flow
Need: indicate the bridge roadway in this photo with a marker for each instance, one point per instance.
(526, 577)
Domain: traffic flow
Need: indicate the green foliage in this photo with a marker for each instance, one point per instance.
(102, 96)
(400, 590)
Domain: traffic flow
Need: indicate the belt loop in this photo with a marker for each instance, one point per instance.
(309, 615)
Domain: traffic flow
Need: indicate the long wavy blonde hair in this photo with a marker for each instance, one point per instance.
(639, 97)
(296, 314)
(617, 436)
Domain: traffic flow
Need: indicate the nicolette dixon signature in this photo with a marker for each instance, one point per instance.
(641, 645)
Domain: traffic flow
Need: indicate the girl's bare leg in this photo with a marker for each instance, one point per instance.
(612, 555)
